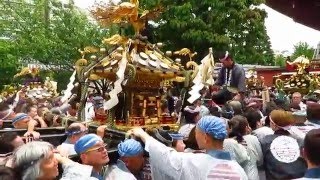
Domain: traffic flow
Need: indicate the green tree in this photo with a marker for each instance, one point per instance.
(280, 60)
(46, 31)
(302, 49)
(49, 31)
(237, 25)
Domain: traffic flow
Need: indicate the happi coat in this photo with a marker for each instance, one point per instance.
(166, 164)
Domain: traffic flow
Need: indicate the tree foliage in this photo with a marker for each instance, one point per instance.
(235, 25)
(44, 31)
(280, 60)
(47, 30)
(302, 49)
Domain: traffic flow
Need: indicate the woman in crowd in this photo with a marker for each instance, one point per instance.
(257, 124)
(38, 161)
(240, 131)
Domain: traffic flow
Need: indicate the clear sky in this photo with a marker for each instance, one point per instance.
(282, 30)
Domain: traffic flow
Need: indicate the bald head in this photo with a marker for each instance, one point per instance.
(76, 124)
(75, 131)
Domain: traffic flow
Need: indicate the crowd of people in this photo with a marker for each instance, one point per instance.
(243, 138)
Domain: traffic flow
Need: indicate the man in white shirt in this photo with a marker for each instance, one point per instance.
(74, 132)
(296, 99)
(166, 163)
(130, 163)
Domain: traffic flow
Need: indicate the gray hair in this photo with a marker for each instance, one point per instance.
(28, 158)
(236, 106)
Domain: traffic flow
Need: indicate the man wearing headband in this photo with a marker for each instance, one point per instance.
(93, 152)
(231, 75)
(74, 132)
(281, 149)
(21, 121)
(130, 163)
(167, 163)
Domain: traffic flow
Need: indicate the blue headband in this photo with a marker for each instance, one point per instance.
(19, 117)
(177, 136)
(129, 148)
(86, 142)
(213, 126)
(70, 133)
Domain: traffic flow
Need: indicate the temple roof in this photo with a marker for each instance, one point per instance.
(306, 12)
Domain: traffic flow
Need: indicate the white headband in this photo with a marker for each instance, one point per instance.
(284, 127)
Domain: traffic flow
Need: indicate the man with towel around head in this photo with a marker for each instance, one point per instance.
(23, 121)
(74, 132)
(130, 163)
(168, 164)
(92, 152)
(231, 79)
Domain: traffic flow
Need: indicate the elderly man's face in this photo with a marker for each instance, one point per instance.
(49, 167)
(96, 156)
(296, 98)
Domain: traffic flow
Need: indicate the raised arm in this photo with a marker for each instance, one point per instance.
(162, 158)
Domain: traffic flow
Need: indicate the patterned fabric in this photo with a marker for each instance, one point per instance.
(276, 162)
(130, 148)
(167, 164)
(146, 171)
(223, 171)
(86, 142)
(253, 147)
(214, 126)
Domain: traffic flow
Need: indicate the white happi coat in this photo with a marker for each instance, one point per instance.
(166, 164)
(118, 171)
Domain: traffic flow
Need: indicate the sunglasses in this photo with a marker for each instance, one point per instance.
(98, 149)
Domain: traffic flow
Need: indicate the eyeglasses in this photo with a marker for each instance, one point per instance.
(98, 149)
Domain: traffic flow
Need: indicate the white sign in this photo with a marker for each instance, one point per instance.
(285, 149)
